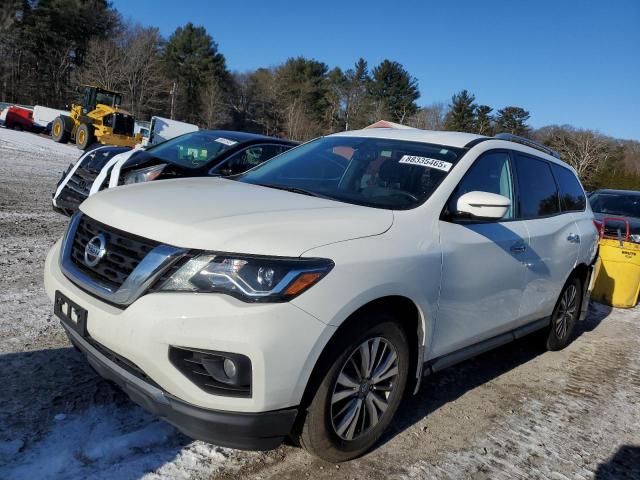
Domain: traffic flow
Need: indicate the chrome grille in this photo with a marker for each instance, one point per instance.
(81, 181)
(124, 252)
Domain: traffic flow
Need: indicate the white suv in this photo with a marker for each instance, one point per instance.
(306, 296)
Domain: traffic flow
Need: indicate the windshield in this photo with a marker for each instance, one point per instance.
(192, 150)
(624, 205)
(107, 98)
(380, 173)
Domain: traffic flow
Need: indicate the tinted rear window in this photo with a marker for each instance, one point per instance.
(572, 197)
(537, 188)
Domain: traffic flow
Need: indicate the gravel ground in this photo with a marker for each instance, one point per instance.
(516, 412)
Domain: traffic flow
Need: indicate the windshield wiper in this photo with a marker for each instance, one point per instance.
(287, 188)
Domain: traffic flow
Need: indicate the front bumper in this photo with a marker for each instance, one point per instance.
(254, 431)
(282, 341)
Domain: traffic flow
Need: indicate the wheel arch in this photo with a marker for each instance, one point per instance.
(411, 319)
(581, 271)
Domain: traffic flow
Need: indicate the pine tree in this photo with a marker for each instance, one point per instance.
(512, 120)
(356, 100)
(484, 120)
(193, 62)
(461, 116)
(50, 42)
(302, 96)
(393, 91)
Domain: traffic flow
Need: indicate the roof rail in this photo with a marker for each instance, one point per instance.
(528, 142)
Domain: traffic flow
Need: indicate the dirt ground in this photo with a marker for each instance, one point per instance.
(516, 412)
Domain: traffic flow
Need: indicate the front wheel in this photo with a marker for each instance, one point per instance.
(360, 392)
(85, 136)
(565, 315)
(59, 132)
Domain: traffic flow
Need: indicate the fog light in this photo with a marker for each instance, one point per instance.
(219, 373)
(230, 369)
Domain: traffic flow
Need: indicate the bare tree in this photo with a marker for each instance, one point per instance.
(631, 158)
(103, 66)
(586, 151)
(10, 53)
(144, 83)
(131, 64)
(430, 117)
(214, 105)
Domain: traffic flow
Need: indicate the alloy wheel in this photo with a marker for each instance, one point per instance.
(566, 311)
(363, 388)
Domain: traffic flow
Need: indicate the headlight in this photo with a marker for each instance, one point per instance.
(144, 174)
(251, 279)
(635, 238)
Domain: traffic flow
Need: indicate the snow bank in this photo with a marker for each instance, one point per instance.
(32, 143)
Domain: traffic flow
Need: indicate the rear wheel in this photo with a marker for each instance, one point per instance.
(565, 315)
(365, 379)
(84, 136)
(59, 133)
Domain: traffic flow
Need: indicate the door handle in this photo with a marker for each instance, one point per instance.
(573, 238)
(518, 247)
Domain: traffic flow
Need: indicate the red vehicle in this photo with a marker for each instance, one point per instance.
(20, 118)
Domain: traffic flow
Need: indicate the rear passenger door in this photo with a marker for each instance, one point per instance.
(553, 233)
(574, 200)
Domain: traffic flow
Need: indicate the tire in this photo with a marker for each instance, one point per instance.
(59, 132)
(565, 315)
(85, 136)
(326, 431)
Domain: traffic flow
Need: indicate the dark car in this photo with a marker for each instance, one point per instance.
(620, 204)
(197, 154)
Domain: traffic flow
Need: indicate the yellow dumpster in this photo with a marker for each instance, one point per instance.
(617, 273)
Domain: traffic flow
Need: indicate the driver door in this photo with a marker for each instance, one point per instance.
(483, 272)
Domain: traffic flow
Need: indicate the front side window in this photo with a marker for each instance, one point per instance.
(192, 150)
(572, 197)
(490, 173)
(380, 173)
(536, 187)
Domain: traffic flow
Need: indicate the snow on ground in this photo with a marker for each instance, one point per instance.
(113, 442)
(516, 412)
(533, 446)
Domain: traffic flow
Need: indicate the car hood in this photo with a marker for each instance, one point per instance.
(634, 223)
(230, 216)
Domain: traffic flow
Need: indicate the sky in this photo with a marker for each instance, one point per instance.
(565, 61)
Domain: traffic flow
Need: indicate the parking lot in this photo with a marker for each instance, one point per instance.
(516, 412)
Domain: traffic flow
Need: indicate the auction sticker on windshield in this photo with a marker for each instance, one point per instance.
(426, 162)
(225, 141)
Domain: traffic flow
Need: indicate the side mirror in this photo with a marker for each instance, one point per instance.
(482, 206)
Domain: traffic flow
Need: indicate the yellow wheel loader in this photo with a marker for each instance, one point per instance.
(98, 119)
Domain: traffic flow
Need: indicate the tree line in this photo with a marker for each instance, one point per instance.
(50, 47)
